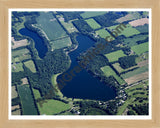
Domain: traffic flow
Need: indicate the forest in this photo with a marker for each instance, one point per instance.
(82, 26)
(127, 61)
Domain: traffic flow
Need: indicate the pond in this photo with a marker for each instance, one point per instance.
(39, 43)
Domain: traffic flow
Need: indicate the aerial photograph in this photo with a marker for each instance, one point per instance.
(79, 63)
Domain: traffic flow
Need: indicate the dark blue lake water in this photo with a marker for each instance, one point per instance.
(83, 85)
(39, 44)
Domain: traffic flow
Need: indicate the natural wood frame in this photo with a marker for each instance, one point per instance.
(4, 9)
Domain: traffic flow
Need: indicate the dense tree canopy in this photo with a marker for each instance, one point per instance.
(127, 61)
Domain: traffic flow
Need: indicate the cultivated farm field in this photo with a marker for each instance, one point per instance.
(109, 72)
(20, 43)
(17, 67)
(29, 64)
(51, 107)
(68, 25)
(141, 48)
(103, 33)
(50, 26)
(135, 72)
(14, 92)
(128, 17)
(61, 43)
(20, 52)
(91, 14)
(113, 56)
(127, 32)
(131, 41)
(137, 78)
(139, 22)
(36, 93)
(27, 101)
(92, 23)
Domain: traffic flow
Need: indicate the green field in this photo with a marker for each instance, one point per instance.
(128, 31)
(21, 57)
(109, 72)
(20, 52)
(14, 92)
(29, 64)
(68, 26)
(17, 67)
(54, 83)
(36, 93)
(50, 26)
(134, 93)
(141, 48)
(133, 41)
(119, 69)
(103, 33)
(91, 14)
(61, 43)
(27, 101)
(135, 72)
(92, 23)
(53, 107)
(113, 56)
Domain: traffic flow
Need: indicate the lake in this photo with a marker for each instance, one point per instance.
(39, 44)
(83, 85)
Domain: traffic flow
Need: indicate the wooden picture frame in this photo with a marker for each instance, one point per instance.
(4, 62)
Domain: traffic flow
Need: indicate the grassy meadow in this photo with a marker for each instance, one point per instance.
(103, 33)
(51, 107)
(50, 26)
(29, 64)
(92, 23)
(109, 72)
(27, 101)
(61, 43)
(127, 32)
(113, 56)
(141, 48)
